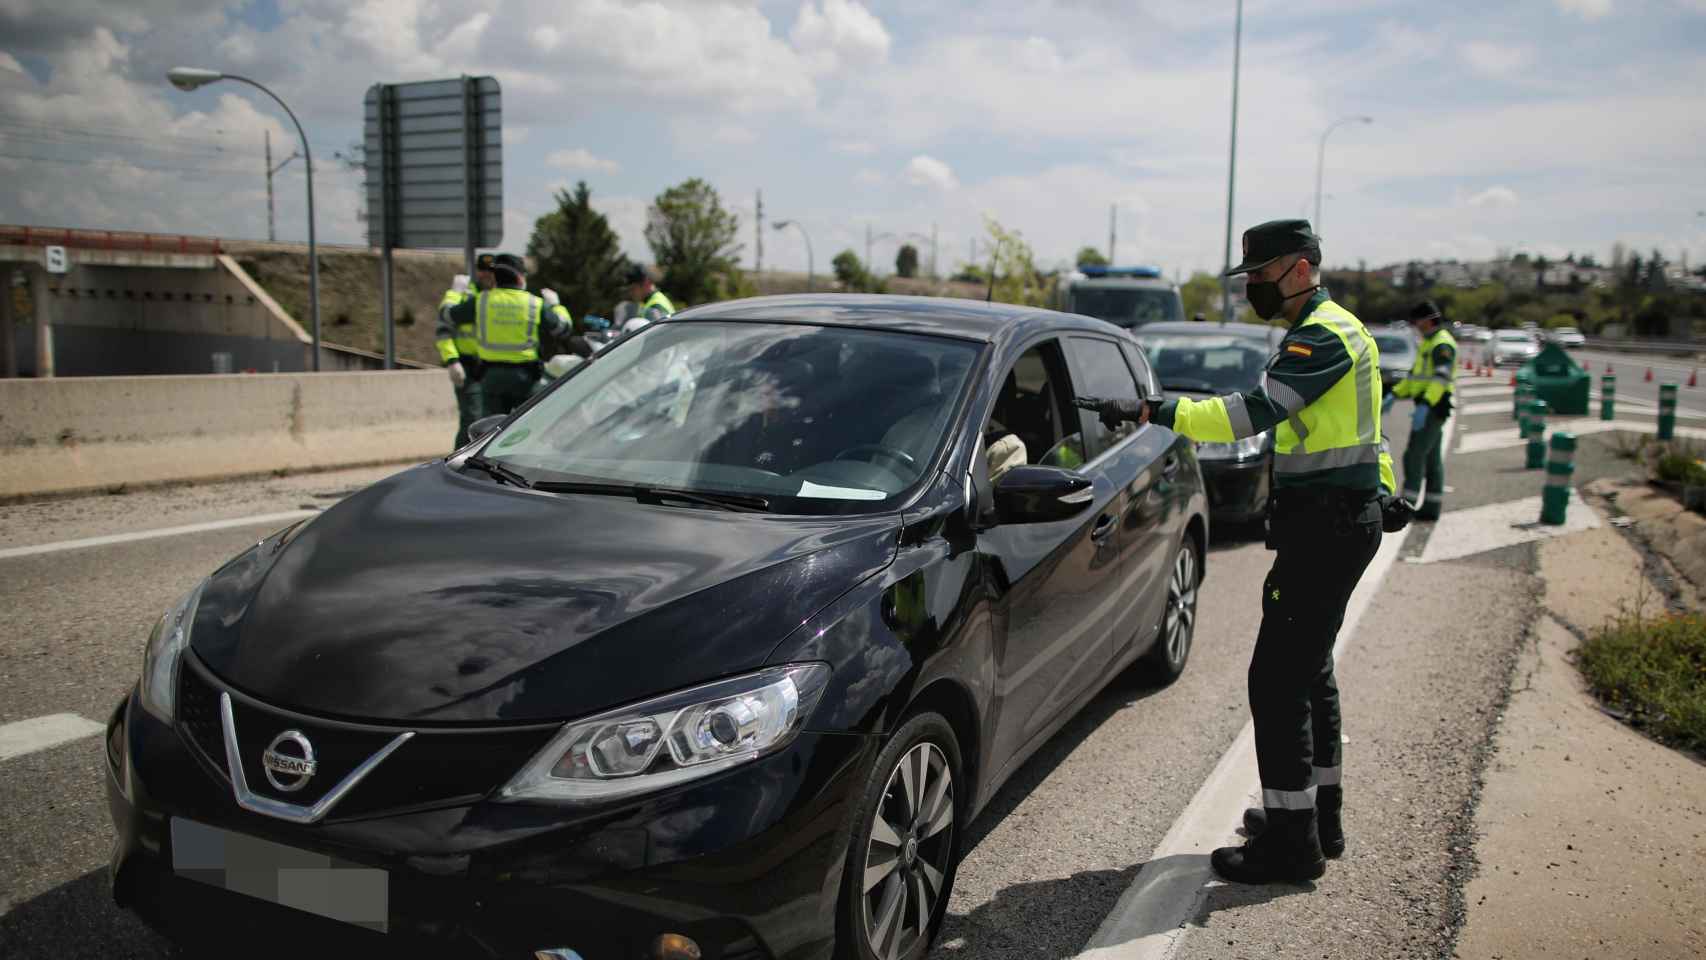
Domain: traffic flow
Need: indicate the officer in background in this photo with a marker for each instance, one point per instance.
(1432, 384)
(457, 348)
(1331, 501)
(507, 321)
(653, 305)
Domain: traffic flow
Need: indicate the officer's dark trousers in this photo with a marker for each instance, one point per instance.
(505, 386)
(1424, 459)
(467, 409)
(1324, 543)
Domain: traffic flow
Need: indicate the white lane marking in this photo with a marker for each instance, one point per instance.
(1504, 407)
(41, 733)
(1465, 533)
(1152, 917)
(1480, 441)
(254, 521)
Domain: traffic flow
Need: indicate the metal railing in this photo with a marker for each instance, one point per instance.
(1655, 345)
(109, 240)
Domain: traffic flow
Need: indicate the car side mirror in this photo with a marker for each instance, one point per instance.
(1037, 494)
(482, 428)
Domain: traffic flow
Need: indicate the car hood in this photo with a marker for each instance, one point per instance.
(435, 597)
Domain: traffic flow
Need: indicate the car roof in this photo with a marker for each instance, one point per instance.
(1249, 331)
(936, 316)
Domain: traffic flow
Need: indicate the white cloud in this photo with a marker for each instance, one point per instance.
(1497, 59)
(1494, 197)
(580, 158)
(839, 33)
(1586, 9)
(927, 171)
(10, 63)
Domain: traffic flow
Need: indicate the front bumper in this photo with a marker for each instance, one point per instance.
(746, 863)
(1237, 489)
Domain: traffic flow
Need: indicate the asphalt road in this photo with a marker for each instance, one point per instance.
(1044, 864)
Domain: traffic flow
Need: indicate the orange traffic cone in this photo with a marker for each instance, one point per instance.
(1694, 378)
(1649, 376)
(1608, 366)
(1513, 380)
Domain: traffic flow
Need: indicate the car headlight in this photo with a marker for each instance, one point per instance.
(672, 739)
(1237, 450)
(158, 690)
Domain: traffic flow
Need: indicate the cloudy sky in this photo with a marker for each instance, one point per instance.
(1545, 125)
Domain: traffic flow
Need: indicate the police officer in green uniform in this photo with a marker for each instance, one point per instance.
(506, 321)
(653, 305)
(1432, 384)
(457, 348)
(1332, 499)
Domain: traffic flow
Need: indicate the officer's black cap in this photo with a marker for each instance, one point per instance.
(1266, 242)
(1426, 310)
(484, 261)
(637, 273)
(509, 263)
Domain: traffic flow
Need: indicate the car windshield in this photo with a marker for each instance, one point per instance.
(1205, 364)
(813, 419)
(1126, 307)
(1393, 344)
(1513, 336)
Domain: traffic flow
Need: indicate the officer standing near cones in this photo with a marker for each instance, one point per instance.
(1432, 384)
(457, 348)
(1331, 501)
(506, 321)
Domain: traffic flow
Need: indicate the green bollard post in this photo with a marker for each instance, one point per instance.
(1559, 468)
(1608, 397)
(1667, 411)
(1537, 435)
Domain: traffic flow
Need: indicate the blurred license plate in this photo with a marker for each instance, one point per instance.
(310, 882)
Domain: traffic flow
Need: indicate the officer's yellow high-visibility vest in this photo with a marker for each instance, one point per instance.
(657, 299)
(506, 325)
(1425, 383)
(1342, 427)
(464, 343)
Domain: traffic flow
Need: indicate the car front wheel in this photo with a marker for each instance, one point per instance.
(903, 853)
(1179, 619)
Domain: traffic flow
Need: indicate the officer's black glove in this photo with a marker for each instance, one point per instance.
(1395, 513)
(1112, 411)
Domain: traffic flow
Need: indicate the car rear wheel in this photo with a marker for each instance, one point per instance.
(1179, 619)
(903, 853)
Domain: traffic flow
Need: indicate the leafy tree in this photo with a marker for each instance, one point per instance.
(1016, 276)
(577, 254)
(906, 261)
(853, 276)
(693, 240)
(1201, 294)
(1091, 257)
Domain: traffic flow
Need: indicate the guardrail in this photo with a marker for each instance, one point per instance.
(1680, 348)
(108, 240)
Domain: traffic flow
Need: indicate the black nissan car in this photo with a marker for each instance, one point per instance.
(1200, 360)
(711, 650)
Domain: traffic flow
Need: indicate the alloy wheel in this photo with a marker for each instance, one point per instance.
(1181, 605)
(907, 859)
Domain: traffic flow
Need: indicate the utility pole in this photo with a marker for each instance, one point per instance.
(1232, 164)
(1113, 209)
(867, 246)
(933, 274)
(758, 234)
(271, 235)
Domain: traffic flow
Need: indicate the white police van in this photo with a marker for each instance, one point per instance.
(1128, 297)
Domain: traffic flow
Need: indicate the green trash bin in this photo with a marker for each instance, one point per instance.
(1558, 380)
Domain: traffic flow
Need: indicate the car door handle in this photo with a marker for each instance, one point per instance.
(1104, 528)
(1170, 467)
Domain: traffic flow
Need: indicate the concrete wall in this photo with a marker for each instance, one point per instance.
(89, 434)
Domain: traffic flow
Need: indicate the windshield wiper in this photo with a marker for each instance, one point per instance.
(737, 502)
(497, 470)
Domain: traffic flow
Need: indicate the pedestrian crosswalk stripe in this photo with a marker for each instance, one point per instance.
(41, 733)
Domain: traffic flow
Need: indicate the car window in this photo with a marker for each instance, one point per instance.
(1140, 366)
(1031, 406)
(817, 419)
(1127, 306)
(1103, 372)
(1392, 344)
(1206, 363)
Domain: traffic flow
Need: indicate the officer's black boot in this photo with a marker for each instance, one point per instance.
(1288, 851)
(1328, 802)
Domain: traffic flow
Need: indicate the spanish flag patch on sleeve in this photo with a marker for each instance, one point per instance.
(1301, 349)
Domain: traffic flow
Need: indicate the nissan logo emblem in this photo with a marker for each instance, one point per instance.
(289, 761)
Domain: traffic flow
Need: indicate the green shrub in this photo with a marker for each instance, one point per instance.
(1655, 671)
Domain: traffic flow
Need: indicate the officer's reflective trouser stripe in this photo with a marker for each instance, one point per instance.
(1238, 416)
(486, 341)
(1327, 776)
(1289, 799)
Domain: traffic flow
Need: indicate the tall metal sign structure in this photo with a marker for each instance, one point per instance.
(434, 172)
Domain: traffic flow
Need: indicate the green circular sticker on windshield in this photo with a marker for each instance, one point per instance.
(514, 438)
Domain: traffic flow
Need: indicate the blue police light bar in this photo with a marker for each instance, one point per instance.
(1099, 270)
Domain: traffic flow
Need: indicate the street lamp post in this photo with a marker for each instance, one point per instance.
(782, 224)
(1321, 161)
(189, 78)
(1232, 164)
